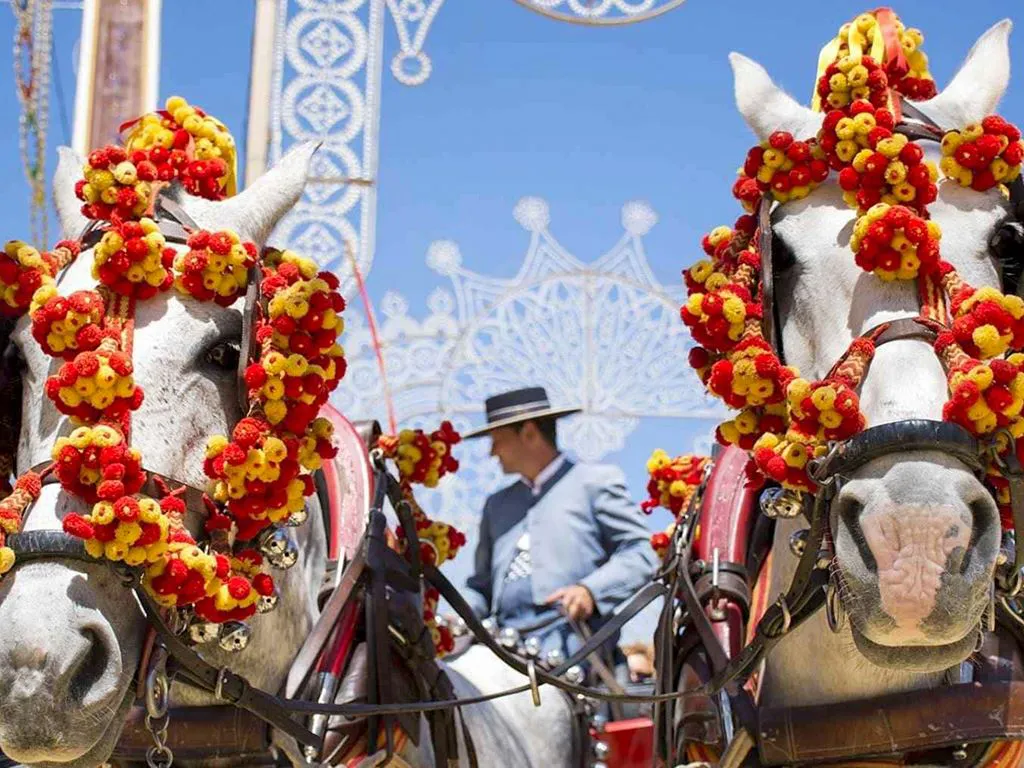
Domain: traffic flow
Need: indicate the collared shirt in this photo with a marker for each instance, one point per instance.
(545, 474)
(517, 593)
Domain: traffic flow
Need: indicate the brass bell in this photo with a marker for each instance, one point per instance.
(286, 557)
(780, 503)
(234, 636)
(273, 541)
(202, 632)
(267, 603)
(798, 542)
(295, 519)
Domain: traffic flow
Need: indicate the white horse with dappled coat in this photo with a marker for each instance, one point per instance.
(71, 635)
(898, 518)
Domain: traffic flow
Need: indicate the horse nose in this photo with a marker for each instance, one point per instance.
(921, 533)
(68, 671)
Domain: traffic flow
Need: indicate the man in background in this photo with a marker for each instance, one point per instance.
(564, 540)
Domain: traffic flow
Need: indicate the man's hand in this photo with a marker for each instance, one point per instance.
(576, 600)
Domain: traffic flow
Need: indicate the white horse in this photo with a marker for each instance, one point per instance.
(71, 635)
(916, 535)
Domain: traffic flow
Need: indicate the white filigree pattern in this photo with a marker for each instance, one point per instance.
(326, 87)
(596, 335)
(411, 66)
(601, 12)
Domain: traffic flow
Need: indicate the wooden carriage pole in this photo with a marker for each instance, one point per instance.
(118, 69)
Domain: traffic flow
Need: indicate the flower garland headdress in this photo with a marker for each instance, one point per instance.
(783, 419)
(259, 475)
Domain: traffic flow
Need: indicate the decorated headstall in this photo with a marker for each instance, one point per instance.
(672, 485)
(787, 421)
(260, 475)
(424, 458)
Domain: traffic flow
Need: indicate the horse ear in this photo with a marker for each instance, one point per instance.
(975, 90)
(256, 210)
(767, 108)
(69, 207)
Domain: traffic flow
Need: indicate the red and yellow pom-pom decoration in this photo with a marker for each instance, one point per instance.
(662, 541)
(95, 385)
(439, 541)
(986, 396)
(986, 321)
(256, 475)
(850, 79)
(115, 187)
(895, 243)
(262, 475)
(890, 169)
(873, 53)
(422, 458)
(751, 375)
(128, 529)
(716, 318)
(982, 155)
(783, 167)
(846, 132)
(444, 642)
(24, 271)
(673, 481)
(183, 142)
(132, 259)
(215, 267)
(301, 361)
(750, 424)
(95, 463)
(65, 326)
(236, 596)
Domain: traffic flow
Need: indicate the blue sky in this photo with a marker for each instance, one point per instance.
(521, 105)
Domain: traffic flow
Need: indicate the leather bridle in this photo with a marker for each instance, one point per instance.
(808, 589)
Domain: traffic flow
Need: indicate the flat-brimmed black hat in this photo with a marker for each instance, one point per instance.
(517, 406)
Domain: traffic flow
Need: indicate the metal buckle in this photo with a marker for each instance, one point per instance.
(531, 671)
(222, 676)
(835, 613)
(158, 688)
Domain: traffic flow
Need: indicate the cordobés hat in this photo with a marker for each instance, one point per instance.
(519, 405)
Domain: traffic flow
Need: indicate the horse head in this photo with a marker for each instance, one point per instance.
(916, 534)
(72, 635)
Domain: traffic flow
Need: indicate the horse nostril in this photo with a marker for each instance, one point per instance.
(849, 513)
(89, 667)
(984, 516)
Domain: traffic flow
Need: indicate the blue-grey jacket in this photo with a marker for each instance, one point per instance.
(584, 529)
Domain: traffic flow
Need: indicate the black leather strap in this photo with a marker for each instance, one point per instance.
(234, 689)
(899, 437)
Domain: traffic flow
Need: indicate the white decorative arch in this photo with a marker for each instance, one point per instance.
(602, 335)
(601, 12)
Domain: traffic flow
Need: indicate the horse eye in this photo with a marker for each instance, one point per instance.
(224, 354)
(1007, 245)
(12, 360)
(1007, 242)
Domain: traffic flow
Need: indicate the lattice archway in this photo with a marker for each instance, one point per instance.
(595, 334)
